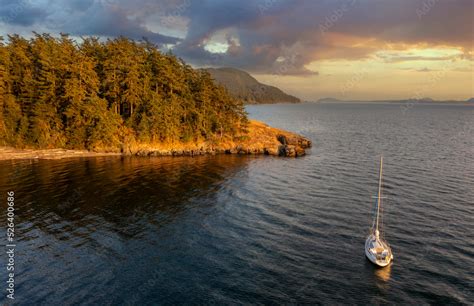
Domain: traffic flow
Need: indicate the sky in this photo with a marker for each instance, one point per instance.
(347, 49)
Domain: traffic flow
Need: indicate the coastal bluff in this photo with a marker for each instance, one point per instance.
(259, 139)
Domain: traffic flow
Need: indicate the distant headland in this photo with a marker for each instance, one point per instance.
(412, 100)
(242, 86)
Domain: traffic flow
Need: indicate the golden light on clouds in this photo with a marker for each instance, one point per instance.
(349, 49)
(398, 71)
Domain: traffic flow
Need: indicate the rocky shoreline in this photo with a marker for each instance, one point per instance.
(261, 139)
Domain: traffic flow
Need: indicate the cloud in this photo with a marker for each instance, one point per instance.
(111, 21)
(407, 58)
(456, 69)
(266, 29)
(467, 69)
(262, 36)
(426, 69)
(107, 18)
(21, 12)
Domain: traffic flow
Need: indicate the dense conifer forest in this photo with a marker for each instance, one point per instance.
(58, 93)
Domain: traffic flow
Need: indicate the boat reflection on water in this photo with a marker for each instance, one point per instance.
(383, 274)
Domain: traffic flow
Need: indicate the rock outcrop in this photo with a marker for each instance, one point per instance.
(260, 139)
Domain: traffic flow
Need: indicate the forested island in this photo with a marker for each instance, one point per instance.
(121, 96)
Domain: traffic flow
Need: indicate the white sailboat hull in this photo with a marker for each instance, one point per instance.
(378, 251)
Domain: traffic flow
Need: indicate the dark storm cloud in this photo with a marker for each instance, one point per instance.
(21, 12)
(268, 36)
(108, 18)
(113, 20)
(80, 5)
(278, 36)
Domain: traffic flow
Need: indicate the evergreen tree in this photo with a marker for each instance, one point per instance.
(45, 125)
(4, 66)
(57, 93)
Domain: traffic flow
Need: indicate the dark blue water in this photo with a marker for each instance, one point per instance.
(241, 229)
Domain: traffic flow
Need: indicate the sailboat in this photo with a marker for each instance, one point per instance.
(377, 249)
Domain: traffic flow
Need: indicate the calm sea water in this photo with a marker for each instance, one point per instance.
(240, 229)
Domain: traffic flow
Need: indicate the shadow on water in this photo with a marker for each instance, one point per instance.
(120, 191)
(86, 219)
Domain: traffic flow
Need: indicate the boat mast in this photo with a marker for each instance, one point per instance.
(379, 196)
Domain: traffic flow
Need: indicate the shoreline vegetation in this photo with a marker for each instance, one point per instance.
(120, 96)
(260, 139)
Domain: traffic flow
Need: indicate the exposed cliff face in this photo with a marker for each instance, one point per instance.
(243, 86)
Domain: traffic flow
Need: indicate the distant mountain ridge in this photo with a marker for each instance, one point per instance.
(328, 100)
(422, 100)
(244, 87)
